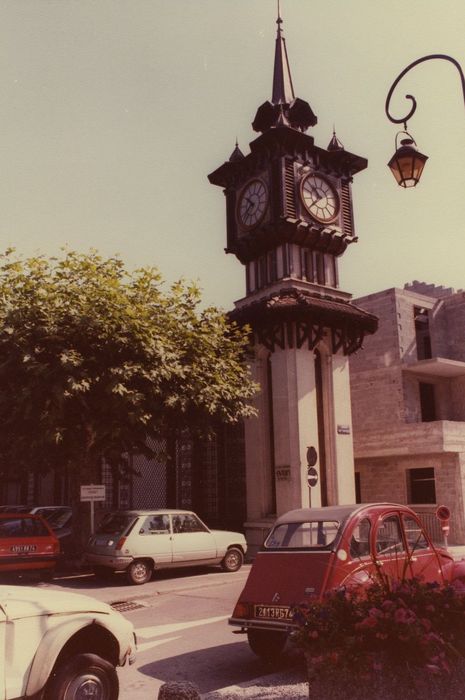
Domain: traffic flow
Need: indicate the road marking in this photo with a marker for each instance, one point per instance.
(158, 630)
(149, 645)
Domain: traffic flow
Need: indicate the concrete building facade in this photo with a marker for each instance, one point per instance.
(408, 402)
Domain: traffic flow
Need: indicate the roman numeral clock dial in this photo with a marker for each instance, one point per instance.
(319, 198)
(252, 204)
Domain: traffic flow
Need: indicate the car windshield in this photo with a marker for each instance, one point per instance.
(115, 524)
(22, 527)
(313, 534)
(59, 518)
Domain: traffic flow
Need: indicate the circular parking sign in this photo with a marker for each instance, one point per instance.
(443, 513)
(312, 477)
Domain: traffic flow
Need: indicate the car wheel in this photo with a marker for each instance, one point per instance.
(82, 676)
(268, 645)
(139, 572)
(233, 560)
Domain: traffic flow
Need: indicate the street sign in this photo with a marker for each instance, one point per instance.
(312, 477)
(93, 492)
(443, 513)
(312, 456)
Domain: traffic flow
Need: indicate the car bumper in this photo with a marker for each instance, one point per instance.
(111, 562)
(276, 625)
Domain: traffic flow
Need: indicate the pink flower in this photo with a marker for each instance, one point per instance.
(368, 622)
(404, 616)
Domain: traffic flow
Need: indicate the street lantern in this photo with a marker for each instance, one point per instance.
(407, 163)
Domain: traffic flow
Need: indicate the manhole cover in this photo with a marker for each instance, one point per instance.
(127, 605)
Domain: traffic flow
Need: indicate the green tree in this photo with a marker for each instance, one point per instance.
(95, 359)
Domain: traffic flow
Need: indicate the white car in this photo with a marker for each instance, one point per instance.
(60, 646)
(141, 541)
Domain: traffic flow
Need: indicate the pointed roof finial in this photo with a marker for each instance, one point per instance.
(236, 154)
(284, 109)
(283, 90)
(279, 21)
(335, 144)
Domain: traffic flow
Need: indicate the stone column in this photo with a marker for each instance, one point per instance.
(295, 426)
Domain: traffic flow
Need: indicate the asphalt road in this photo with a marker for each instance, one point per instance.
(180, 619)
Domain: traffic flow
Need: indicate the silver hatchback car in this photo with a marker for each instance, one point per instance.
(140, 541)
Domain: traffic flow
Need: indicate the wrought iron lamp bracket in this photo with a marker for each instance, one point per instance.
(404, 120)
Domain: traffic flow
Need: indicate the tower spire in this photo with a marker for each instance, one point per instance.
(284, 109)
(283, 90)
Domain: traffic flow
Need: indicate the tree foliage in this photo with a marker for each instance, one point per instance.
(95, 359)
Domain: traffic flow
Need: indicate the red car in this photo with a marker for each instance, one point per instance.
(27, 543)
(313, 550)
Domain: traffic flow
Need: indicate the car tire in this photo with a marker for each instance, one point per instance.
(268, 645)
(81, 676)
(139, 572)
(233, 559)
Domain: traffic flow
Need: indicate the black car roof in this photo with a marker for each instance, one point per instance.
(337, 513)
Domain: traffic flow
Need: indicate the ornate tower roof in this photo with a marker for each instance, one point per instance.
(283, 90)
(284, 109)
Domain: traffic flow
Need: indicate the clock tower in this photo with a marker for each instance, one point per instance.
(289, 219)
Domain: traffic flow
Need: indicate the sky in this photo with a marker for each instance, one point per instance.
(112, 114)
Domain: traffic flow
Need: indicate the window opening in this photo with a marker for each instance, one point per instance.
(427, 402)
(421, 485)
(422, 333)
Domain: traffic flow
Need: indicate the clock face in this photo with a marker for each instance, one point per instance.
(252, 203)
(320, 198)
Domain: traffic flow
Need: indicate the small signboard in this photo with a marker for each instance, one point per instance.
(93, 492)
(283, 473)
(312, 477)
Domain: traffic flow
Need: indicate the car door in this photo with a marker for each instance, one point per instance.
(192, 541)
(390, 552)
(424, 561)
(152, 537)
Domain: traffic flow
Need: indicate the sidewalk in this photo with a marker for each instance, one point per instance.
(276, 687)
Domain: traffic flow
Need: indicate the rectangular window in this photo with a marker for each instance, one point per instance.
(272, 266)
(427, 402)
(422, 333)
(320, 268)
(330, 270)
(286, 260)
(421, 485)
(307, 264)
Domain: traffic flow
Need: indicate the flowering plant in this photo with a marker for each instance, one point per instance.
(407, 623)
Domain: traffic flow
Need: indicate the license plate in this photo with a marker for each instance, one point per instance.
(272, 612)
(21, 548)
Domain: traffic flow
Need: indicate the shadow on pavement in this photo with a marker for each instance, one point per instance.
(220, 666)
(85, 580)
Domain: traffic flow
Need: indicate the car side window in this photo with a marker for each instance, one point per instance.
(11, 527)
(34, 527)
(389, 536)
(414, 534)
(187, 522)
(360, 540)
(155, 525)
